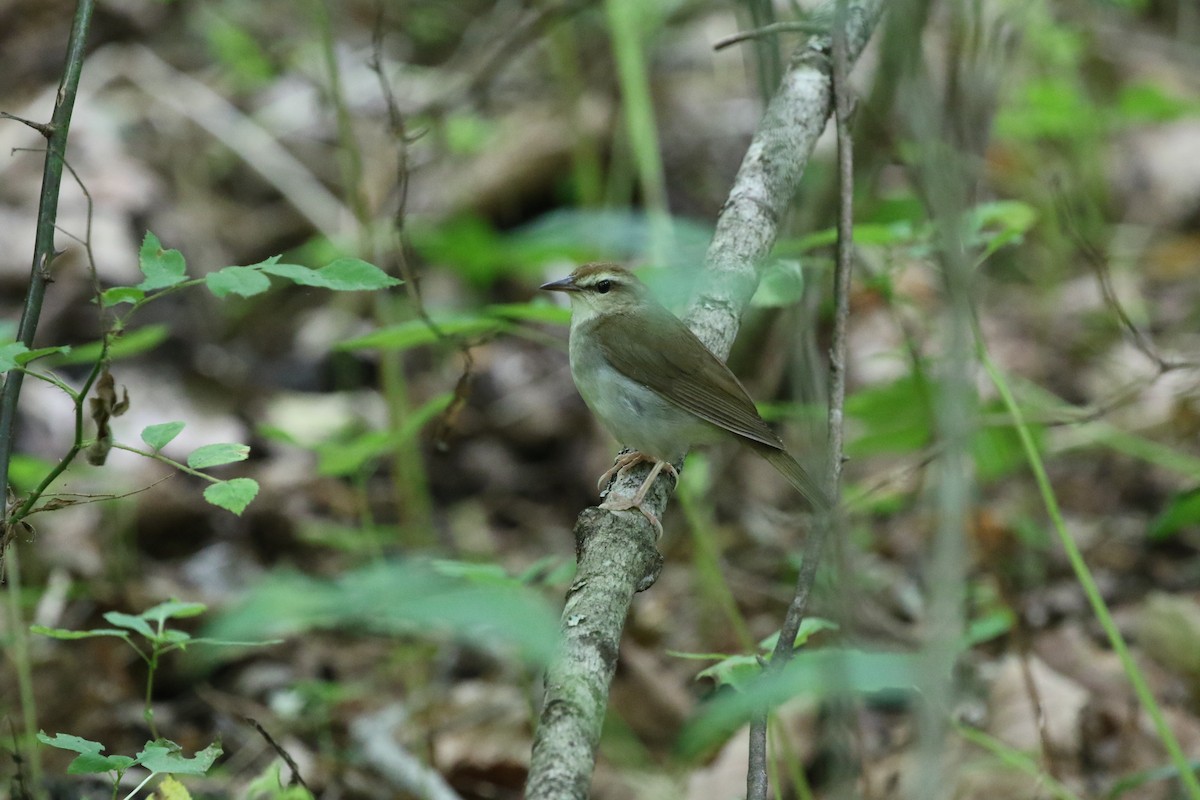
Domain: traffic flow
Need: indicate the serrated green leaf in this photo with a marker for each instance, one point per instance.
(233, 495)
(164, 756)
(161, 267)
(160, 435)
(354, 274)
(121, 294)
(173, 609)
(212, 455)
(244, 281)
(89, 760)
(131, 622)
(66, 741)
(342, 275)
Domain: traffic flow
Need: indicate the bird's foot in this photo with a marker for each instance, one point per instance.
(633, 458)
(624, 461)
(627, 503)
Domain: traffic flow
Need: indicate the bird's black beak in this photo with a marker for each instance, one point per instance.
(566, 284)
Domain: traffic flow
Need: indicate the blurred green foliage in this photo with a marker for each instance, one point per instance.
(476, 605)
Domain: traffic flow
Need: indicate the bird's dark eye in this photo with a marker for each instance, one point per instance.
(603, 286)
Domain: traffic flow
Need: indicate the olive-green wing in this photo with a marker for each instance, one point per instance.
(677, 365)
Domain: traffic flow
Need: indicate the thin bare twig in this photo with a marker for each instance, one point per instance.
(509, 40)
(296, 778)
(398, 126)
(826, 524)
(775, 28)
(1099, 264)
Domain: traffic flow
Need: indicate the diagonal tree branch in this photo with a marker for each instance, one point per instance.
(615, 550)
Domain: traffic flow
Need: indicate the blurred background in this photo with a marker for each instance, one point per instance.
(422, 453)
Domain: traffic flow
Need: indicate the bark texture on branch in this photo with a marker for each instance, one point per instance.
(767, 179)
(616, 550)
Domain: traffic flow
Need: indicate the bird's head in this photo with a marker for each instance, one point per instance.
(597, 289)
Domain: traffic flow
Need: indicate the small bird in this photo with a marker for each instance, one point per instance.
(655, 386)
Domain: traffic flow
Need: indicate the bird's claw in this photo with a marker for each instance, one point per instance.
(628, 504)
(624, 461)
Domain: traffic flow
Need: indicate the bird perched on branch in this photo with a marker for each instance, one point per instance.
(656, 387)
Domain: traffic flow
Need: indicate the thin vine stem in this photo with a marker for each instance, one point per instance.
(168, 461)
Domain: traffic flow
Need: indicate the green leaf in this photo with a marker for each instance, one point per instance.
(233, 495)
(160, 435)
(162, 268)
(16, 354)
(90, 760)
(164, 756)
(92, 763)
(69, 635)
(176, 637)
(893, 418)
(342, 275)
(396, 598)
(173, 609)
(782, 285)
(474, 572)
(991, 625)
(1146, 102)
(997, 450)
(809, 627)
(244, 281)
(9, 354)
(212, 455)
(999, 223)
(416, 333)
(121, 294)
(65, 741)
(340, 458)
(132, 623)
(1182, 511)
(531, 312)
(26, 472)
(736, 671)
(127, 344)
(817, 672)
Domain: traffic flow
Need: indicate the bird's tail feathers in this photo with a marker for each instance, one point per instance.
(797, 476)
